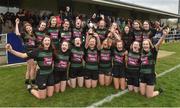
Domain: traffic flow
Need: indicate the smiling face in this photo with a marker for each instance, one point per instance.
(136, 46)
(53, 22)
(64, 46)
(146, 25)
(136, 25)
(105, 43)
(42, 26)
(119, 45)
(46, 42)
(66, 25)
(102, 24)
(126, 29)
(92, 43)
(28, 29)
(146, 45)
(77, 42)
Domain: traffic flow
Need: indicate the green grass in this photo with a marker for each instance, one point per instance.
(170, 97)
(13, 93)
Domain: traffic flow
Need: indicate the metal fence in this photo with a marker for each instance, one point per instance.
(3, 53)
(173, 37)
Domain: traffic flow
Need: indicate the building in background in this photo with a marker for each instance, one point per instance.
(109, 7)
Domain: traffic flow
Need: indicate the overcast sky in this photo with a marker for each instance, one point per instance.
(165, 5)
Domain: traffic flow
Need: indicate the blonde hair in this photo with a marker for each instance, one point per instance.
(106, 40)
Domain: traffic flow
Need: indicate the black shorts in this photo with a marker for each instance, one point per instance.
(91, 74)
(133, 81)
(59, 76)
(118, 72)
(132, 78)
(105, 71)
(45, 80)
(135, 73)
(76, 72)
(149, 79)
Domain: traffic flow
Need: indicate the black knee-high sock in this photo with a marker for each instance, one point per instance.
(27, 81)
(33, 81)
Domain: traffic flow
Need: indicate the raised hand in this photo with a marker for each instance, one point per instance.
(96, 35)
(8, 47)
(112, 30)
(17, 20)
(166, 31)
(110, 35)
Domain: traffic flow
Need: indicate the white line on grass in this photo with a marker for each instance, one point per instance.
(112, 96)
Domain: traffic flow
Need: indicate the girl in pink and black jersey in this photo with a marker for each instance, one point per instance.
(133, 67)
(137, 31)
(53, 31)
(29, 39)
(76, 70)
(61, 65)
(119, 65)
(92, 48)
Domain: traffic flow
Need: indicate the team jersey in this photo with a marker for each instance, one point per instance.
(77, 32)
(77, 56)
(53, 32)
(65, 35)
(44, 59)
(133, 62)
(157, 36)
(128, 39)
(118, 57)
(148, 60)
(149, 34)
(61, 61)
(91, 59)
(39, 36)
(138, 35)
(102, 33)
(105, 58)
(28, 41)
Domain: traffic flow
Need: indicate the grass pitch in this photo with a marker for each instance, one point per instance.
(13, 92)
